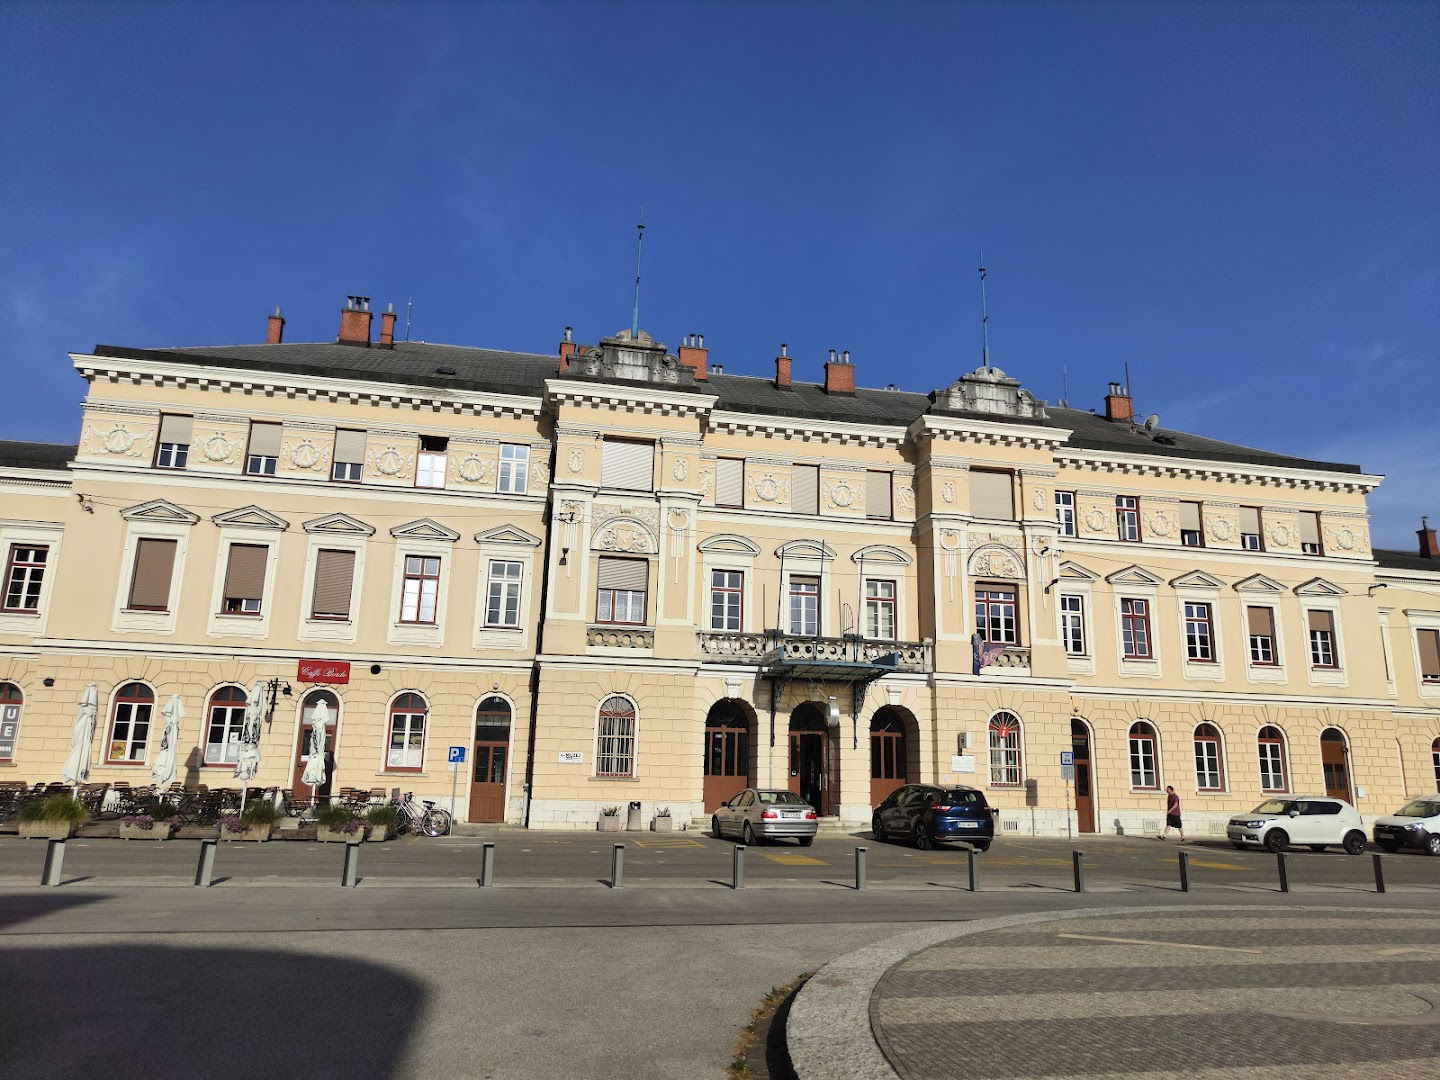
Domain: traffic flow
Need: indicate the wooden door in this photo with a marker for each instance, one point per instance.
(1333, 763)
(487, 785)
(727, 758)
(1084, 797)
(887, 763)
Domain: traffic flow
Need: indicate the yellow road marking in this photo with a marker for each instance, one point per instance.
(1141, 941)
(794, 860)
(1403, 950)
(1216, 865)
(668, 842)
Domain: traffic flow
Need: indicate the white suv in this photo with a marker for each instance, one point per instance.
(1416, 824)
(1317, 821)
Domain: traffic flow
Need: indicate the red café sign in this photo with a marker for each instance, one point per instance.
(324, 671)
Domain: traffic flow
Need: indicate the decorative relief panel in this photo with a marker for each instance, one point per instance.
(390, 461)
(1280, 535)
(121, 438)
(306, 453)
(471, 467)
(1344, 537)
(1095, 516)
(1222, 528)
(625, 535)
(768, 488)
(947, 491)
(1161, 524)
(575, 463)
(994, 561)
(539, 475)
(904, 496)
(218, 445)
(843, 495)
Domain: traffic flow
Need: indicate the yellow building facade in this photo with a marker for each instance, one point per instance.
(618, 575)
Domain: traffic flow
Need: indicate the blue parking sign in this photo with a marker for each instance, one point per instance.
(1067, 757)
(457, 755)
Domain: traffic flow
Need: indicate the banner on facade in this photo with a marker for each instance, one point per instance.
(323, 671)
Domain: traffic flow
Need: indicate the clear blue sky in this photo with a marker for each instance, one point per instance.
(1242, 200)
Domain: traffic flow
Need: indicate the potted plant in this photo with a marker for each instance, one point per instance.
(610, 819)
(158, 824)
(382, 820)
(54, 818)
(260, 817)
(336, 824)
(663, 821)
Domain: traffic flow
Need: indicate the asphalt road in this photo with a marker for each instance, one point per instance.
(694, 859)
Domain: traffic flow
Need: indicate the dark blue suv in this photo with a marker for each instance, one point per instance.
(925, 814)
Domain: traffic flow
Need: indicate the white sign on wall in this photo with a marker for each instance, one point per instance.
(570, 757)
(962, 763)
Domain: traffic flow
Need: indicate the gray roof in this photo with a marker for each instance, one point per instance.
(417, 363)
(35, 455)
(1405, 560)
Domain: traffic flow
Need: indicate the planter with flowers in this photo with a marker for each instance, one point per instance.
(158, 824)
(610, 820)
(259, 819)
(382, 820)
(335, 824)
(54, 818)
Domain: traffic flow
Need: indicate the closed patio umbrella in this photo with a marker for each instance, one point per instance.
(162, 773)
(247, 762)
(77, 762)
(314, 773)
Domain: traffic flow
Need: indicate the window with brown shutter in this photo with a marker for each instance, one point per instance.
(877, 495)
(627, 464)
(1250, 538)
(805, 489)
(349, 463)
(244, 579)
(620, 589)
(1429, 641)
(992, 495)
(1322, 639)
(150, 580)
(1310, 533)
(172, 445)
(729, 481)
(334, 575)
(1190, 531)
(1261, 624)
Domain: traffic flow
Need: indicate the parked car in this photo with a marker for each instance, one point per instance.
(926, 814)
(1415, 825)
(1316, 821)
(762, 814)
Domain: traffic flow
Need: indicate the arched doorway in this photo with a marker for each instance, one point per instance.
(1084, 778)
(492, 759)
(727, 752)
(308, 705)
(889, 753)
(810, 756)
(1335, 763)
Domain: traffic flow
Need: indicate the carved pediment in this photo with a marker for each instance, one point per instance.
(160, 510)
(881, 553)
(729, 544)
(1259, 583)
(995, 561)
(1070, 571)
(1318, 587)
(1197, 579)
(1133, 575)
(339, 525)
(805, 549)
(625, 534)
(507, 534)
(424, 529)
(251, 517)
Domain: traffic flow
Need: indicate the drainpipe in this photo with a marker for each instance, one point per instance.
(540, 635)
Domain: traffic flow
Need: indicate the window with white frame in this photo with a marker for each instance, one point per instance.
(615, 738)
(1260, 622)
(420, 589)
(1135, 629)
(349, 463)
(244, 588)
(223, 722)
(1005, 756)
(804, 605)
(727, 590)
(514, 469)
(880, 608)
(1271, 746)
(1127, 518)
(1144, 759)
(1072, 624)
(996, 614)
(1427, 643)
(1191, 532)
(620, 591)
(1322, 639)
(172, 446)
(1065, 512)
(1251, 539)
(430, 463)
(264, 451)
(502, 601)
(1199, 633)
(1209, 760)
(1310, 542)
(406, 749)
(130, 725)
(25, 576)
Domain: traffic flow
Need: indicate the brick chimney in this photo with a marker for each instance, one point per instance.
(1118, 405)
(839, 374)
(355, 322)
(567, 349)
(275, 331)
(387, 327)
(782, 369)
(1428, 547)
(695, 356)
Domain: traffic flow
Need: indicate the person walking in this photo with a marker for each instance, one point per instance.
(1172, 815)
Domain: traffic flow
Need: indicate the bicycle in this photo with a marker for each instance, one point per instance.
(429, 821)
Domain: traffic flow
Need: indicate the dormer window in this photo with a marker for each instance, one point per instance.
(430, 465)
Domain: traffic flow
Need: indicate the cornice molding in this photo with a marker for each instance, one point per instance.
(829, 432)
(1224, 471)
(987, 432)
(631, 399)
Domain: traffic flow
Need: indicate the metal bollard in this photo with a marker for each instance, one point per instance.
(1280, 869)
(205, 869)
(737, 867)
(1184, 857)
(974, 879)
(54, 862)
(350, 875)
(860, 867)
(487, 864)
(617, 866)
(1379, 874)
(1078, 859)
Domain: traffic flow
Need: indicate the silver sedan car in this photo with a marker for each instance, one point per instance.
(758, 814)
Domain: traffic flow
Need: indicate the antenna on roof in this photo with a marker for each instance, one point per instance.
(1065, 385)
(984, 319)
(409, 310)
(639, 243)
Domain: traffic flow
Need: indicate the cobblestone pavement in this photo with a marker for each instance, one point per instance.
(1269, 995)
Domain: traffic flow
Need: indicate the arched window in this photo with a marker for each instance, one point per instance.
(1144, 757)
(1209, 758)
(130, 724)
(1271, 743)
(1435, 758)
(1005, 760)
(224, 719)
(407, 733)
(11, 701)
(615, 738)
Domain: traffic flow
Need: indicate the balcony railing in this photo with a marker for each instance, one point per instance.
(620, 637)
(1014, 656)
(733, 648)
